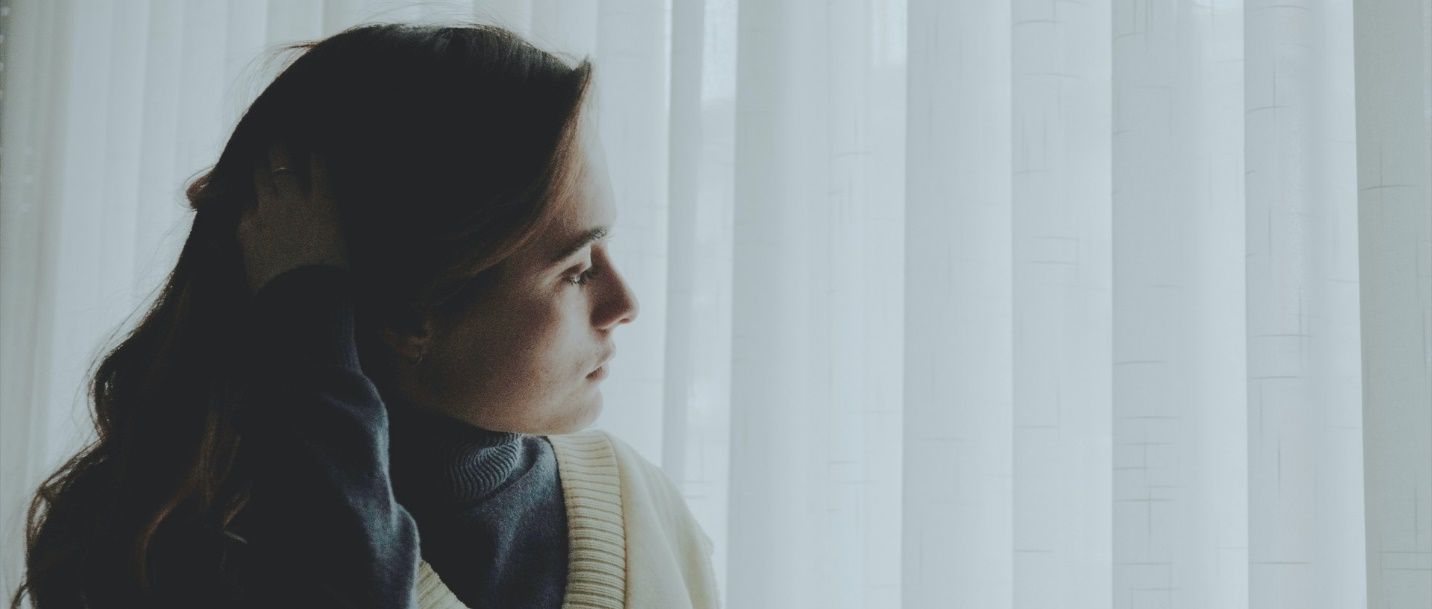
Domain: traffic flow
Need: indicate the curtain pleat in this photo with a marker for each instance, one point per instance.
(1180, 476)
(1393, 66)
(957, 436)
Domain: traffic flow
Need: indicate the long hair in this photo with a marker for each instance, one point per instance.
(448, 148)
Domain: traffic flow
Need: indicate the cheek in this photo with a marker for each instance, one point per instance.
(525, 346)
(557, 336)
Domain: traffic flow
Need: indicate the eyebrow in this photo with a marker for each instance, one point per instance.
(590, 235)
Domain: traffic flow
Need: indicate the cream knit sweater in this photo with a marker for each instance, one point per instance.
(634, 543)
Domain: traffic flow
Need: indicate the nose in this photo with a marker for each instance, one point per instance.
(632, 307)
(622, 306)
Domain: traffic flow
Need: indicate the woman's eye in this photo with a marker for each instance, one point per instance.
(582, 278)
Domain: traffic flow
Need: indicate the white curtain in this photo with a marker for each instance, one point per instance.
(961, 303)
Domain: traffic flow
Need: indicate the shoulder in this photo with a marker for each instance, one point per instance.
(599, 449)
(647, 482)
(667, 553)
(592, 446)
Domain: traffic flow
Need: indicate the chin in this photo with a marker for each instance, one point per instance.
(582, 417)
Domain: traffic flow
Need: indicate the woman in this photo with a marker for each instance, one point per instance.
(366, 379)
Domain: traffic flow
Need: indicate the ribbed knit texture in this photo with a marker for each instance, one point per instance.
(591, 488)
(459, 462)
(596, 577)
(432, 593)
(488, 504)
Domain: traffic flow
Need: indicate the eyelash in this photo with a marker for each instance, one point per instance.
(582, 278)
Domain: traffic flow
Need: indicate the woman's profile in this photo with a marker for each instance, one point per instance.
(369, 379)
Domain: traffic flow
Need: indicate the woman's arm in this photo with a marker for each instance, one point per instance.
(322, 523)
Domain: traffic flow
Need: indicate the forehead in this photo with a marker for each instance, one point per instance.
(586, 204)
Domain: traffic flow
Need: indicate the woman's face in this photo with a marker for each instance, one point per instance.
(529, 355)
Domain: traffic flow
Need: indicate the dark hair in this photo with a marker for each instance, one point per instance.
(448, 149)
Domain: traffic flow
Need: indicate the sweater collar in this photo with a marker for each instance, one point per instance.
(439, 460)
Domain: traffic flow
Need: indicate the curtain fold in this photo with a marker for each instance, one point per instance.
(1304, 357)
(816, 305)
(943, 304)
(1393, 65)
(958, 372)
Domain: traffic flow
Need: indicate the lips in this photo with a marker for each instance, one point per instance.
(601, 369)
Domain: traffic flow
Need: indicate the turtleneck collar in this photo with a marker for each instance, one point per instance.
(437, 460)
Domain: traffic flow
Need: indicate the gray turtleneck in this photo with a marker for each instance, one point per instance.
(344, 476)
(488, 505)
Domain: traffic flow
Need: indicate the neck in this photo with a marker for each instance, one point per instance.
(436, 459)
